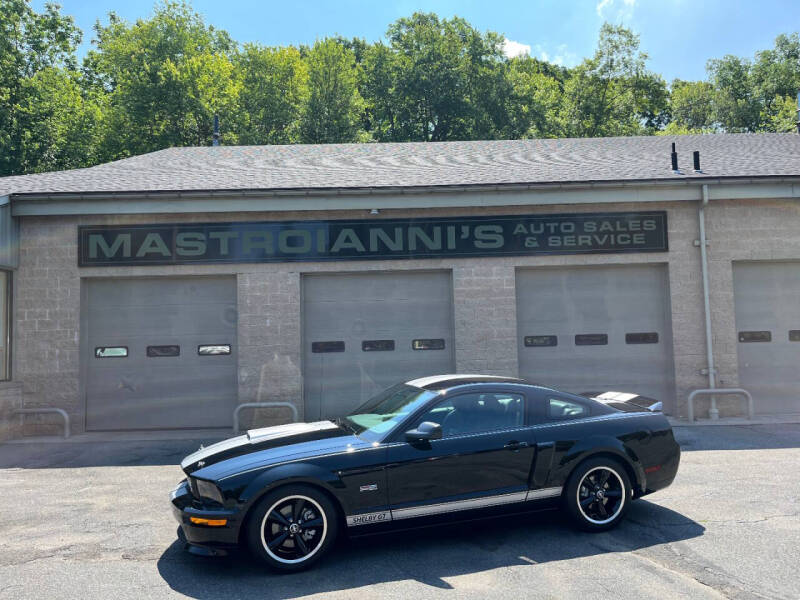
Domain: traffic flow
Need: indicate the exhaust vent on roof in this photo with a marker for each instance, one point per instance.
(674, 157)
(696, 160)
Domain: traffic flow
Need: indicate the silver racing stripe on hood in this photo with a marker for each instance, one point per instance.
(254, 436)
(213, 449)
(279, 431)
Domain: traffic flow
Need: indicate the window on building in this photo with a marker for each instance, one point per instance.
(5, 330)
(332, 346)
(755, 336)
(650, 337)
(591, 339)
(161, 351)
(214, 349)
(111, 352)
(533, 341)
(428, 344)
(377, 345)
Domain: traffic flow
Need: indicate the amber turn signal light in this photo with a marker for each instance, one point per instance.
(209, 522)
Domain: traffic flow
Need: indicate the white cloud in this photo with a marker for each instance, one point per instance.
(616, 10)
(560, 55)
(513, 49)
(602, 5)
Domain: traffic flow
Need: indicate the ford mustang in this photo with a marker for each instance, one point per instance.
(434, 449)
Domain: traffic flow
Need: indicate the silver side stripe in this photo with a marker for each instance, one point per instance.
(455, 505)
(551, 492)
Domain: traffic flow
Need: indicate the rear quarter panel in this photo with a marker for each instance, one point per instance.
(638, 440)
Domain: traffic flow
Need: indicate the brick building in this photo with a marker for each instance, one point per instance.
(162, 290)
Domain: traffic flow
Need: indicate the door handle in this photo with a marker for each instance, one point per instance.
(515, 445)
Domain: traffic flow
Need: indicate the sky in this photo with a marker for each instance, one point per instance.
(678, 35)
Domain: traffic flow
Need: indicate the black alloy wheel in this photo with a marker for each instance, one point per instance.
(292, 527)
(598, 494)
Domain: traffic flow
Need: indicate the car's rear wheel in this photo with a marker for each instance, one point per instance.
(292, 527)
(598, 494)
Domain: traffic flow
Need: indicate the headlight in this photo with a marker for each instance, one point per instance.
(206, 489)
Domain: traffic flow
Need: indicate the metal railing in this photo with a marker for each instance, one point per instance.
(36, 411)
(238, 409)
(721, 392)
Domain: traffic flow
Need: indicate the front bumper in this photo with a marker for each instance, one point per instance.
(214, 539)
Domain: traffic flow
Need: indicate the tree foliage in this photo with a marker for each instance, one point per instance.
(159, 81)
(34, 48)
(332, 113)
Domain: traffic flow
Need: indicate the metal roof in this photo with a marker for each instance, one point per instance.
(294, 168)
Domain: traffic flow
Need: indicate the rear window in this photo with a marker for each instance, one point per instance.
(559, 408)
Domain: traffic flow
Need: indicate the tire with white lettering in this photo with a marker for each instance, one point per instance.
(292, 527)
(598, 494)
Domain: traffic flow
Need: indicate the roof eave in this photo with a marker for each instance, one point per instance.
(382, 190)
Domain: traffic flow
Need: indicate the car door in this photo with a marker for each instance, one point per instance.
(484, 457)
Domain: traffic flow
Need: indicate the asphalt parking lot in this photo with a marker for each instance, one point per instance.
(91, 521)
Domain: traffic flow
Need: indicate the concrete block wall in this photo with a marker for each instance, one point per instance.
(48, 284)
(10, 398)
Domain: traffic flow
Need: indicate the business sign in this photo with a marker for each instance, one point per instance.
(371, 239)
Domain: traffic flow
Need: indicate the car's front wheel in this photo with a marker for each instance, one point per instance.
(292, 527)
(598, 494)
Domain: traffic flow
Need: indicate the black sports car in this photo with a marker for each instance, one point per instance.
(439, 448)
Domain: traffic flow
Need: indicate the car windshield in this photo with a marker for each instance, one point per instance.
(379, 415)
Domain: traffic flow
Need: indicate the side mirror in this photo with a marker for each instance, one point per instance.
(425, 432)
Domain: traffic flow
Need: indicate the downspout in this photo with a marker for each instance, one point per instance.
(713, 413)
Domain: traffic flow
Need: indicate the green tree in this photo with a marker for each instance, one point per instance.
(59, 122)
(692, 105)
(439, 79)
(736, 105)
(775, 76)
(30, 43)
(535, 101)
(333, 112)
(274, 92)
(613, 93)
(166, 77)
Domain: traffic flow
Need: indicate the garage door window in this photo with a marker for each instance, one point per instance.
(435, 344)
(377, 345)
(534, 341)
(755, 336)
(794, 335)
(163, 351)
(591, 339)
(5, 331)
(642, 338)
(214, 350)
(321, 347)
(111, 352)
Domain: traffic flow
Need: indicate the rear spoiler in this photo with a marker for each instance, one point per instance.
(625, 401)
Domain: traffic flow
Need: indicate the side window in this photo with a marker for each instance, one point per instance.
(558, 408)
(476, 413)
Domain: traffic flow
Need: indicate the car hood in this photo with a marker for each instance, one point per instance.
(283, 441)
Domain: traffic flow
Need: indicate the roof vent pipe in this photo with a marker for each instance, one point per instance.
(696, 159)
(798, 111)
(674, 155)
(215, 139)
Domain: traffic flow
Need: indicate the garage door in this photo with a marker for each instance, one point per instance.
(159, 353)
(597, 328)
(364, 332)
(767, 301)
